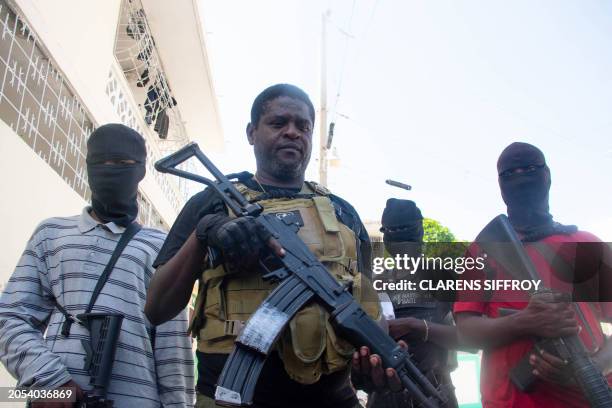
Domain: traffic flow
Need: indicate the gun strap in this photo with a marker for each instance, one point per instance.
(127, 235)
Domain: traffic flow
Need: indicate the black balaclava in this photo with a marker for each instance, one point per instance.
(402, 226)
(402, 221)
(525, 193)
(114, 186)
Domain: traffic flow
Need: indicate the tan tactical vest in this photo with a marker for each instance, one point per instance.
(308, 346)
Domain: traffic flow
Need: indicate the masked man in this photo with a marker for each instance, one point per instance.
(420, 319)
(57, 273)
(524, 180)
(310, 365)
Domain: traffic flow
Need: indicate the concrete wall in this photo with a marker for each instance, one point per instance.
(30, 192)
(80, 38)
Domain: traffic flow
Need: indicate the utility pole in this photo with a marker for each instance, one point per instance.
(323, 115)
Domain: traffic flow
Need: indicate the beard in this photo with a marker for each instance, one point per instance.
(285, 170)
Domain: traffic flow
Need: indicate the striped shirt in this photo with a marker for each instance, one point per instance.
(62, 263)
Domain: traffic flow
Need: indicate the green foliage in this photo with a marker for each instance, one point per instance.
(440, 241)
(436, 232)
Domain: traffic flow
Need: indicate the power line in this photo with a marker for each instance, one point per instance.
(345, 57)
(348, 36)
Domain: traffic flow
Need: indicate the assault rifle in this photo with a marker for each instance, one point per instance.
(500, 242)
(100, 350)
(301, 278)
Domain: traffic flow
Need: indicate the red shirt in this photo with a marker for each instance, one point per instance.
(496, 388)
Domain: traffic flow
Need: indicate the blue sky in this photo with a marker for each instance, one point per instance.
(430, 94)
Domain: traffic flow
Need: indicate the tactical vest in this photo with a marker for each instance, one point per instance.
(309, 346)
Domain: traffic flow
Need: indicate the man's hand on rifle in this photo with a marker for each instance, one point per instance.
(70, 385)
(551, 368)
(370, 366)
(550, 316)
(409, 328)
(240, 240)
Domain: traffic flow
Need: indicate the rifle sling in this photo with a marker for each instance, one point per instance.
(127, 235)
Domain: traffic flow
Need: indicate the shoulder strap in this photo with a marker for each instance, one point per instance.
(127, 235)
(317, 188)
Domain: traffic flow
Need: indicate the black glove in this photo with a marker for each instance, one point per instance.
(239, 240)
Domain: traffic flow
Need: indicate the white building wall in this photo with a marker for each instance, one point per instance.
(79, 37)
(30, 193)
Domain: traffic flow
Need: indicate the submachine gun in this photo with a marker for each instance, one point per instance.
(301, 278)
(500, 242)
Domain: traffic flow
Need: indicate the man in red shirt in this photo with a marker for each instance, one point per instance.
(524, 180)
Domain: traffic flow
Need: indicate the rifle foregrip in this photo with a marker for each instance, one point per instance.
(593, 383)
(352, 322)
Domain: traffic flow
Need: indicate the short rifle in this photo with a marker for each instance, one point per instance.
(100, 350)
(500, 242)
(302, 278)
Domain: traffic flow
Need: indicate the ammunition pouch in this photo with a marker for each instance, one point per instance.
(309, 346)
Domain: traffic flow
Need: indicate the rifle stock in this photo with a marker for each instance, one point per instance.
(302, 278)
(512, 256)
(100, 351)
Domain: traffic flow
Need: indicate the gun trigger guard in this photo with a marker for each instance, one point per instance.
(275, 275)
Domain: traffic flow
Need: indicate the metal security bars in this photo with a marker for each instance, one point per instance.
(39, 105)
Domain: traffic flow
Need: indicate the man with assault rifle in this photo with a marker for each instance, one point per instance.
(526, 337)
(308, 363)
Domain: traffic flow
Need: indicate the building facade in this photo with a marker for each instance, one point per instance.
(68, 66)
